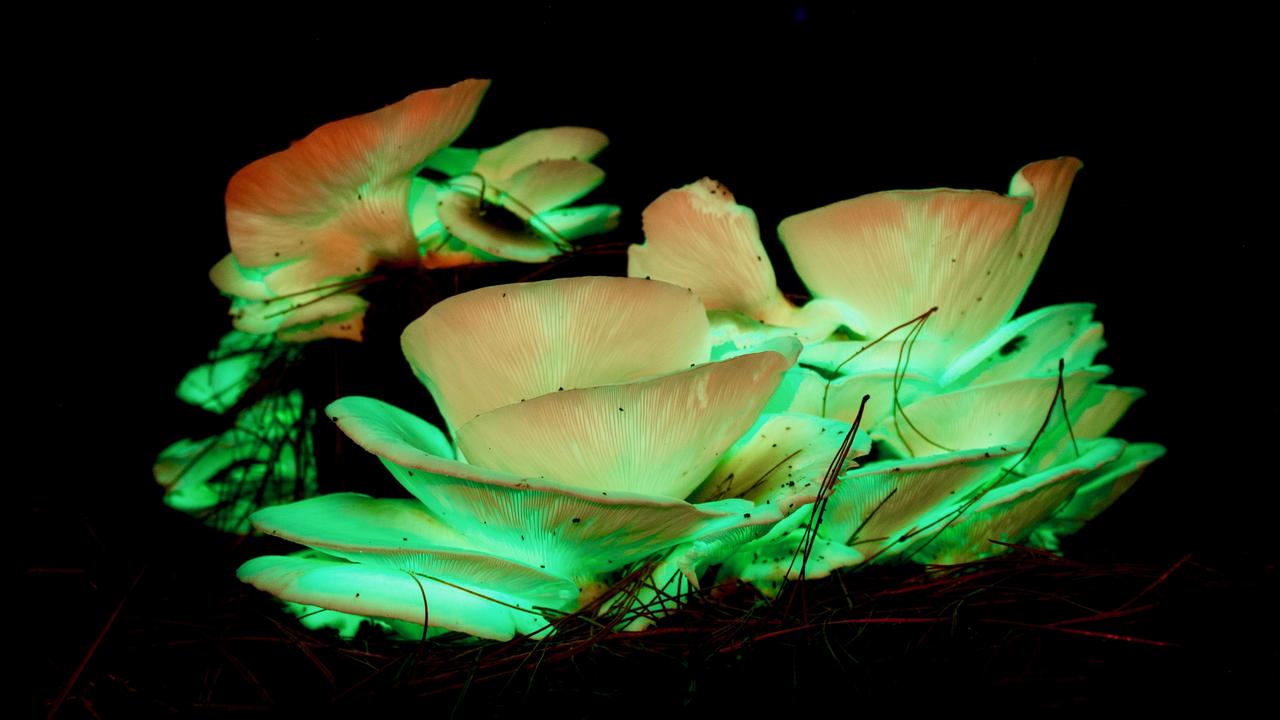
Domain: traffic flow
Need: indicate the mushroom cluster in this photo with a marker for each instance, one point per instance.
(312, 225)
(987, 427)
(688, 422)
(585, 412)
(309, 225)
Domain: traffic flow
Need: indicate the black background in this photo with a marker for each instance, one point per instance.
(791, 106)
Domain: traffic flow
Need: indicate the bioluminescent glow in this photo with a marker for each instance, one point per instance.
(310, 225)
(265, 458)
(233, 368)
(580, 454)
(698, 237)
(509, 202)
(684, 422)
(919, 290)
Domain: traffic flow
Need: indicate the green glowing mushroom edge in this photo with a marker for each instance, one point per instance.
(914, 294)
(311, 225)
(579, 462)
(685, 418)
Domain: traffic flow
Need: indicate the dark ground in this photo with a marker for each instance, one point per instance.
(134, 609)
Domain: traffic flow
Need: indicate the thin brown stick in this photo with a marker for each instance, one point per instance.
(97, 642)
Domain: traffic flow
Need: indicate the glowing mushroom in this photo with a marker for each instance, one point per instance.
(512, 201)
(307, 223)
(920, 288)
(587, 413)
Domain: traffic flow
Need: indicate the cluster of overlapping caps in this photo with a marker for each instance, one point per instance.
(688, 419)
